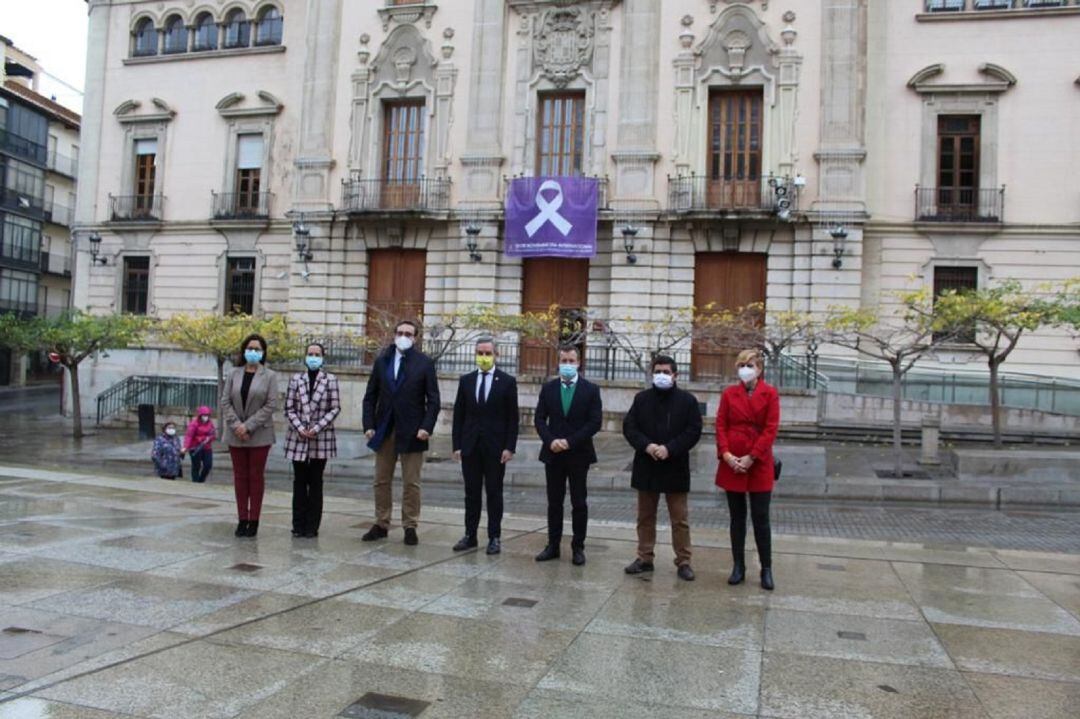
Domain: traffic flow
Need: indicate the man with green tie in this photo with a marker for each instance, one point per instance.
(568, 414)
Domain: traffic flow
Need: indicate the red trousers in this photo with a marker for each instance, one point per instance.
(249, 466)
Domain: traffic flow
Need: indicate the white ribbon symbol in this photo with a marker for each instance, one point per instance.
(549, 211)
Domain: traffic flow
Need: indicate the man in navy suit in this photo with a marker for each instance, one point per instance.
(568, 414)
(484, 439)
(401, 405)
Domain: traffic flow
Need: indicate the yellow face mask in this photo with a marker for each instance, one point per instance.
(485, 362)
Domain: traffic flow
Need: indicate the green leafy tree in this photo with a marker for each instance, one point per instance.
(899, 339)
(74, 336)
(992, 320)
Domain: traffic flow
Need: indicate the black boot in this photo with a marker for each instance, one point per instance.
(252, 528)
(241, 528)
(766, 578)
(738, 574)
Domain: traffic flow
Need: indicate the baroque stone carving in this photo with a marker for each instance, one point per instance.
(404, 59)
(564, 44)
(736, 43)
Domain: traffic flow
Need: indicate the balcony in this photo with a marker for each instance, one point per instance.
(136, 208)
(423, 195)
(21, 203)
(59, 214)
(702, 194)
(54, 264)
(241, 205)
(22, 147)
(952, 204)
(62, 164)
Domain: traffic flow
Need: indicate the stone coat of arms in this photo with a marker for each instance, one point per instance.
(564, 43)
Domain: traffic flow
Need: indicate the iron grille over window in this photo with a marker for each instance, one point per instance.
(240, 286)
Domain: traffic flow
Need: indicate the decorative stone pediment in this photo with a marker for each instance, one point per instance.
(998, 80)
(230, 105)
(127, 112)
(563, 43)
(409, 14)
(737, 41)
(404, 59)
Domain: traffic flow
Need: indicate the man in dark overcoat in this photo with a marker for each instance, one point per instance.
(663, 425)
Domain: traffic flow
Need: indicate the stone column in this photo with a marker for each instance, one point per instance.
(315, 156)
(483, 156)
(635, 156)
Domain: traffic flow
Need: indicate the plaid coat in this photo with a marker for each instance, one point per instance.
(316, 411)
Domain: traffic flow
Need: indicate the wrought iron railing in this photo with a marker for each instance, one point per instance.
(137, 208)
(959, 204)
(158, 391)
(423, 194)
(241, 205)
(700, 193)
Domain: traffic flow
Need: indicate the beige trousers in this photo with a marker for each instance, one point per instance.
(386, 459)
(678, 511)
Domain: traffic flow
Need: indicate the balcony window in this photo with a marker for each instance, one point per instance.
(18, 291)
(403, 153)
(249, 160)
(269, 28)
(21, 240)
(944, 5)
(206, 33)
(146, 38)
(237, 30)
(734, 142)
(560, 134)
(176, 35)
(145, 174)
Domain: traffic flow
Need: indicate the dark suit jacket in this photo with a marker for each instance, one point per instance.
(404, 407)
(671, 418)
(490, 427)
(584, 419)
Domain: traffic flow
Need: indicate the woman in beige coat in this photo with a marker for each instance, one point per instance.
(248, 402)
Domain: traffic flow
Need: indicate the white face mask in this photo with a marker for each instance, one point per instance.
(747, 374)
(663, 381)
(170, 431)
(404, 344)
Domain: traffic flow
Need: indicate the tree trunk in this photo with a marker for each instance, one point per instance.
(76, 401)
(995, 401)
(897, 435)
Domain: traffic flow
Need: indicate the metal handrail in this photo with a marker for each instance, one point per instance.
(701, 193)
(240, 205)
(421, 194)
(138, 208)
(158, 391)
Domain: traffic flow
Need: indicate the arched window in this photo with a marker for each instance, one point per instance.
(176, 35)
(237, 29)
(268, 30)
(206, 32)
(146, 38)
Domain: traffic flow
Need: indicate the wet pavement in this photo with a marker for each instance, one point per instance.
(129, 597)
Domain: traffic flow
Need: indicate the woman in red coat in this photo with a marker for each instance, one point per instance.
(746, 424)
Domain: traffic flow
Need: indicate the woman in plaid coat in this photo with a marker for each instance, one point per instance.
(312, 402)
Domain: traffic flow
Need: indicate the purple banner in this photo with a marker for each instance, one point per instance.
(551, 217)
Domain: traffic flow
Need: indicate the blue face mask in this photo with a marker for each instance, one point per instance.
(568, 371)
(313, 362)
(253, 356)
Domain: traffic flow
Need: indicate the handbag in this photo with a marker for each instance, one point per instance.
(777, 466)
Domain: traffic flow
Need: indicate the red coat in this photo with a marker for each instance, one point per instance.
(747, 425)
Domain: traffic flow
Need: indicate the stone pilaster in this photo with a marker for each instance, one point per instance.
(483, 156)
(635, 157)
(314, 160)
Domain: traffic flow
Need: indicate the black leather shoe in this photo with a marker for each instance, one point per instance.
(550, 552)
(297, 533)
(637, 567)
(494, 546)
(376, 532)
(686, 573)
(466, 542)
(579, 557)
(738, 574)
(252, 528)
(241, 529)
(766, 579)
(410, 537)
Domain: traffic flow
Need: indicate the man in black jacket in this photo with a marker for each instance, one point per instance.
(401, 405)
(663, 425)
(568, 414)
(484, 440)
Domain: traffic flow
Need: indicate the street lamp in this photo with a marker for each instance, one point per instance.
(95, 250)
(839, 234)
(472, 231)
(629, 232)
(303, 240)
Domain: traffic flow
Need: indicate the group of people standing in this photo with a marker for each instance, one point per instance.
(400, 409)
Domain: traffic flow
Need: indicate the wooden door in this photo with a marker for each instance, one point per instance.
(403, 154)
(723, 281)
(735, 125)
(548, 281)
(395, 291)
(958, 167)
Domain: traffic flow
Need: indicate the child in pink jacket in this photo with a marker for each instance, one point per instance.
(199, 443)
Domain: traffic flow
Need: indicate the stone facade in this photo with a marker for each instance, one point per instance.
(850, 95)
